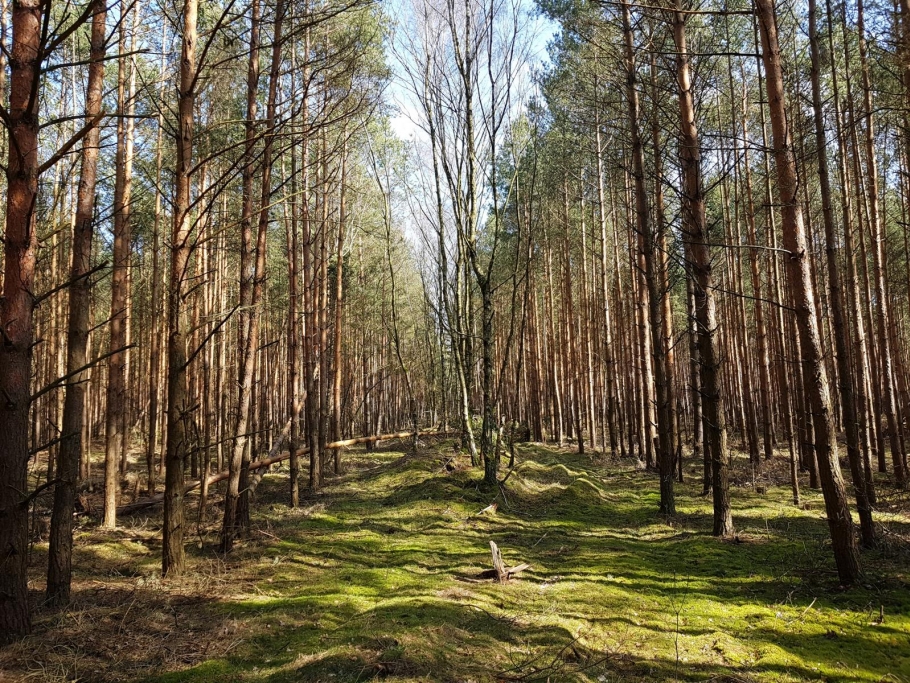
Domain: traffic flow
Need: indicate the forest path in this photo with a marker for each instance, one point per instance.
(376, 577)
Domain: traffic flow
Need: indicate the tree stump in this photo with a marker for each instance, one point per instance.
(503, 573)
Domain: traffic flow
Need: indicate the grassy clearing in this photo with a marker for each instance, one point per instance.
(376, 578)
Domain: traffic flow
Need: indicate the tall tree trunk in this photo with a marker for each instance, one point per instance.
(609, 351)
(155, 342)
(17, 306)
(247, 274)
(803, 297)
(173, 561)
(60, 551)
(250, 354)
(699, 256)
(882, 308)
(116, 382)
(339, 311)
(293, 331)
(835, 297)
(647, 234)
(761, 330)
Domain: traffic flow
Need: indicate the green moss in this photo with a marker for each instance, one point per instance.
(378, 580)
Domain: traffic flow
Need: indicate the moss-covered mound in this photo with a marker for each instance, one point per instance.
(377, 577)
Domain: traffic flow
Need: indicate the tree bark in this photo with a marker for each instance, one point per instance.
(114, 436)
(647, 234)
(835, 298)
(246, 366)
(882, 308)
(60, 551)
(803, 297)
(17, 305)
(699, 256)
(173, 561)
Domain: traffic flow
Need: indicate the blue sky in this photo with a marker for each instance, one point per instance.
(541, 31)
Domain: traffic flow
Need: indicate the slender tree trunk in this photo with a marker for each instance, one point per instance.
(339, 313)
(835, 297)
(116, 377)
(155, 341)
(251, 352)
(803, 297)
(761, 330)
(173, 554)
(609, 359)
(647, 233)
(882, 308)
(60, 552)
(699, 256)
(246, 364)
(293, 332)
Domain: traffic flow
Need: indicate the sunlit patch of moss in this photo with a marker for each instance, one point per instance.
(378, 579)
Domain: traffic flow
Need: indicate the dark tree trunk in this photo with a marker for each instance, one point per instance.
(699, 257)
(60, 552)
(17, 305)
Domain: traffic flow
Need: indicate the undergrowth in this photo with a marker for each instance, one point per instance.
(378, 577)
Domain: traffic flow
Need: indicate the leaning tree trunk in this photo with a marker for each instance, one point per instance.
(803, 298)
(836, 301)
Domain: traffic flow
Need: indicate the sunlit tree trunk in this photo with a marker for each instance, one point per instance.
(246, 364)
(803, 297)
(339, 312)
(179, 406)
(648, 245)
(114, 440)
(155, 337)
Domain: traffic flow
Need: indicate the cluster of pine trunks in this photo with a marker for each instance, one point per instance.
(667, 299)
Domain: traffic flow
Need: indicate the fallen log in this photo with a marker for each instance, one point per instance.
(257, 478)
(378, 437)
(272, 459)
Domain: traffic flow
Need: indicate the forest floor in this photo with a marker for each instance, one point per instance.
(377, 577)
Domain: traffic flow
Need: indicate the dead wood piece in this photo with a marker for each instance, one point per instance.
(501, 572)
(489, 508)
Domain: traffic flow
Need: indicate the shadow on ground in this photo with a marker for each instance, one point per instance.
(377, 578)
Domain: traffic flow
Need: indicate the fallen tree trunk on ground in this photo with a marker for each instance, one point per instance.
(256, 478)
(272, 458)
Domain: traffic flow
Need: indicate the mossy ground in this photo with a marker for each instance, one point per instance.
(375, 577)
